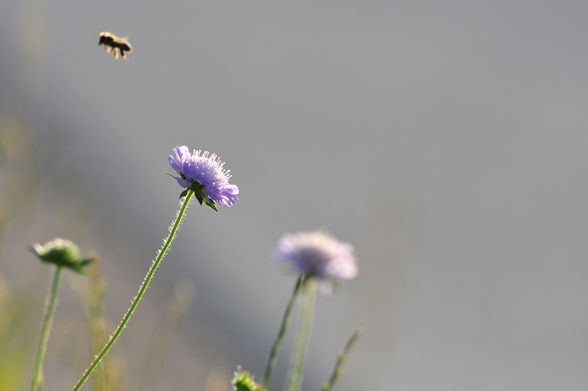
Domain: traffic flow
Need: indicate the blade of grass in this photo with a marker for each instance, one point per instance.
(340, 360)
(271, 363)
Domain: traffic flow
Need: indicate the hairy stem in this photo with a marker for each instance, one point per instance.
(304, 328)
(281, 333)
(340, 360)
(37, 378)
(167, 242)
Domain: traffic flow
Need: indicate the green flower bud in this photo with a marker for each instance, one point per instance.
(244, 381)
(61, 252)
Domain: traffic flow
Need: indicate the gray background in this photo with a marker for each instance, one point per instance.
(445, 139)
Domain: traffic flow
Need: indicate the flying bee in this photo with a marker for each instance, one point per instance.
(118, 45)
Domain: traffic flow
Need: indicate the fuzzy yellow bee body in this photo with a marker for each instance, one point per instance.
(118, 45)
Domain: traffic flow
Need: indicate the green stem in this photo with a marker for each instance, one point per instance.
(340, 360)
(306, 315)
(172, 233)
(281, 333)
(37, 378)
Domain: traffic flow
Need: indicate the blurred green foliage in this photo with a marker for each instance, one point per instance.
(26, 157)
(14, 358)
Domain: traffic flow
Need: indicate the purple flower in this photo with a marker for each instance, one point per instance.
(318, 254)
(204, 173)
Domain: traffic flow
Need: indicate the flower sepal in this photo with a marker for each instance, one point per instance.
(62, 252)
(200, 196)
(330, 286)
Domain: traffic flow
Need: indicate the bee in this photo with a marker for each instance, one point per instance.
(118, 45)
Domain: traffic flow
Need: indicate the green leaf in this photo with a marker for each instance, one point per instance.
(183, 194)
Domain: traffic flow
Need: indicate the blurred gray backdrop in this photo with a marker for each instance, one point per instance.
(445, 139)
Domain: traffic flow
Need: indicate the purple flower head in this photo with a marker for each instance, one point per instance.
(318, 254)
(204, 173)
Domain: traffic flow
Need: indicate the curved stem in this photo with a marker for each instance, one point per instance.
(308, 297)
(37, 378)
(172, 233)
(340, 360)
(283, 328)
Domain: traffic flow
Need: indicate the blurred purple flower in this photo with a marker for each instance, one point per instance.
(318, 254)
(204, 173)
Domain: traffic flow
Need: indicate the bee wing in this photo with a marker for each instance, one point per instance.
(129, 48)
